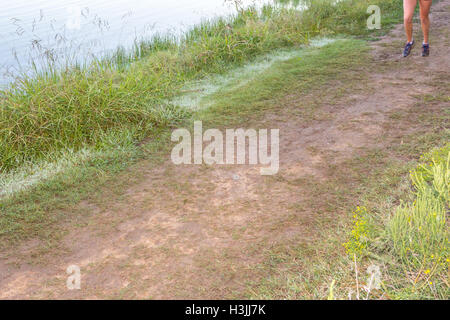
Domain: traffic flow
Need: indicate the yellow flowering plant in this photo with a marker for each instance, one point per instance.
(359, 235)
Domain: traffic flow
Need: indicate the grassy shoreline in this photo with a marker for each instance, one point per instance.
(66, 111)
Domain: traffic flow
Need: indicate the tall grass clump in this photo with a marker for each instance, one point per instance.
(418, 231)
(70, 108)
(414, 240)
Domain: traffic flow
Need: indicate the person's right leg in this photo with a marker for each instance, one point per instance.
(425, 6)
(408, 13)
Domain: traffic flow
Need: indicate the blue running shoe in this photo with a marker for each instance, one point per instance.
(408, 48)
(425, 50)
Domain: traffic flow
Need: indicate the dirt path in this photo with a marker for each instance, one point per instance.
(203, 232)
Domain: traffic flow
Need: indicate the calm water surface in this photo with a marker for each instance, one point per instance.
(92, 27)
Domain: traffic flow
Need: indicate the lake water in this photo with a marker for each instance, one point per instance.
(29, 27)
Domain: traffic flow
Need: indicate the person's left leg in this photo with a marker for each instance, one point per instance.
(408, 13)
(425, 6)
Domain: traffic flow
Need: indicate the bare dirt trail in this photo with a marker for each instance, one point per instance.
(202, 232)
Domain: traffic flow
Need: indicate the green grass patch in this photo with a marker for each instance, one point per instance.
(418, 232)
(414, 239)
